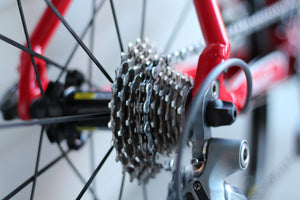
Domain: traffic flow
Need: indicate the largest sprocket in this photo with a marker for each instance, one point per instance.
(147, 109)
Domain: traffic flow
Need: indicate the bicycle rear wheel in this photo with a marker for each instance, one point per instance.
(19, 145)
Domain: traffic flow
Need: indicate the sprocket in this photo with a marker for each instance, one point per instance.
(147, 109)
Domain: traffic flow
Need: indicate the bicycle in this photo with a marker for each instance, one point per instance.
(150, 90)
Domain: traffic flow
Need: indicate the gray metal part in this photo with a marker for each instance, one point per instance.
(223, 159)
(147, 110)
(201, 131)
(233, 193)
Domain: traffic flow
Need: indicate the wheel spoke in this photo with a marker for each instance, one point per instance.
(37, 163)
(94, 174)
(122, 186)
(29, 180)
(29, 51)
(92, 156)
(92, 40)
(75, 169)
(178, 25)
(145, 195)
(81, 36)
(116, 24)
(77, 38)
(54, 120)
(29, 46)
(143, 19)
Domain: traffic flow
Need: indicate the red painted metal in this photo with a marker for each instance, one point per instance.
(217, 44)
(266, 73)
(217, 50)
(43, 32)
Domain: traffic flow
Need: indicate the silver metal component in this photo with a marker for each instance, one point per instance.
(214, 89)
(147, 109)
(233, 193)
(201, 128)
(197, 186)
(224, 159)
(195, 161)
(244, 155)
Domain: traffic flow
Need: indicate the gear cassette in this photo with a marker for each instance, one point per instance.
(147, 109)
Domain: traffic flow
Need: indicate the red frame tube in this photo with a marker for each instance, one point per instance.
(266, 72)
(217, 44)
(217, 50)
(28, 87)
(270, 70)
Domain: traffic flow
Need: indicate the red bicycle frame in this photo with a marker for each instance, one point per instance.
(42, 34)
(232, 86)
(265, 72)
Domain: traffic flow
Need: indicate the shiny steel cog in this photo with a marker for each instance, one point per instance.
(147, 110)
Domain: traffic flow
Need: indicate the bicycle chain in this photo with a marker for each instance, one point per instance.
(147, 110)
(243, 27)
(262, 18)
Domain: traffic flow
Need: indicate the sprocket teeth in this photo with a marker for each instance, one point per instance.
(191, 80)
(110, 125)
(127, 122)
(183, 54)
(147, 108)
(119, 113)
(110, 104)
(119, 133)
(124, 57)
(138, 41)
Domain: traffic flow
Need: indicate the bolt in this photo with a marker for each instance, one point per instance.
(197, 186)
(194, 161)
(215, 90)
(244, 155)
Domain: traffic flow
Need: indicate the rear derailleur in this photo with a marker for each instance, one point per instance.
(213, 159)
